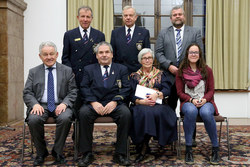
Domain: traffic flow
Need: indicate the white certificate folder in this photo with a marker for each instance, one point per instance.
(142, 91)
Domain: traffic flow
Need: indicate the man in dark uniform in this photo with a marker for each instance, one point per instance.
(78, 46)
(129, 40)
(105, 86)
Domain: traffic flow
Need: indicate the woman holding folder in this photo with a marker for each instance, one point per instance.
(151, 119)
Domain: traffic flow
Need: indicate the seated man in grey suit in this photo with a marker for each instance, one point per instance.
(50, 90)
(104, 86)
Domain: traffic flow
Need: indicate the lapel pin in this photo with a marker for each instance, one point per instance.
(113, 72)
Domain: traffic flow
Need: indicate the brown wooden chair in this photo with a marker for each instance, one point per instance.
(50, 121)
(218, 118)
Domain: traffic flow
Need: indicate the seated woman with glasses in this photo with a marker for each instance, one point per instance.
(151, 119)
(195, 88)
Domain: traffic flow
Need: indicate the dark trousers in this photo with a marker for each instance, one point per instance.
(173, 98)
(121, 116)
(36, 126)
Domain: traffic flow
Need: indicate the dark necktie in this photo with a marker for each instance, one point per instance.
(105, 76)
(179, 45)
(50, 91)
(128, 36)
(85, 36)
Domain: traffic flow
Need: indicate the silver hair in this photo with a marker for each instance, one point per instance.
(128, 7)
(176, 8)
(143, 52)
(47, 43)
(86, 8)
(103, 43)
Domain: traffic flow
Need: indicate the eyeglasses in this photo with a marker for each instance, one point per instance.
(193, 53)
(147, 58)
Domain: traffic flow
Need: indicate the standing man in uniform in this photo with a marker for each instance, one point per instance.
(129, 40)
(78, 46)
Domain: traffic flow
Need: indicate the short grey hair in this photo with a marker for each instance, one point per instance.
(86, 8)
(96, 49)
(128, 7)
(176, 8)
(143, 52)
(47, 43)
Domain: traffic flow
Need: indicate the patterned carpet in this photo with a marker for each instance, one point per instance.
(11, 144)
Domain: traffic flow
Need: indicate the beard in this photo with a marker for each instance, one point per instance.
(178, 23)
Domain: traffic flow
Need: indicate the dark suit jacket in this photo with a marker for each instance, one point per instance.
(165, 48)
(76, 54)
(35, 84)
(92, 88)
(126, 54)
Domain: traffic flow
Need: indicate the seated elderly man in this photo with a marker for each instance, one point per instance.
(50, 91)
(105, 87)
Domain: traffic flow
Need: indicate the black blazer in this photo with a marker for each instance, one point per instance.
(92, 88)
(127, 54)
(76, 54)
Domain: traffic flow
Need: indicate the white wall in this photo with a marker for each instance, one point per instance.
(46, 20)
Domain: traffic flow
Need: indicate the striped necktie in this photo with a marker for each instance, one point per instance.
(179, 45)
(85, 36)
(128, 36)
(105, 76)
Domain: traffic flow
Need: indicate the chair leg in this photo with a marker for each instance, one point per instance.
(76, 140)
(228, 142)
(220, 132)
(31, 142)
(24, 125)
(128, 148)
(179, 138)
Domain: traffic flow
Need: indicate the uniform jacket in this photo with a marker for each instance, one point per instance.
(76, 54)
(92, 88)
(126, 54)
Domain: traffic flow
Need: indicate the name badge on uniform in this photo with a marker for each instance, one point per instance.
(119, 83)
(139, 46)
(77, 39)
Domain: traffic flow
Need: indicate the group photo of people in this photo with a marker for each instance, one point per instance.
(124, 83)
(99, 78)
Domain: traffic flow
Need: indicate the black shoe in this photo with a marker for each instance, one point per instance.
(144, 150)
(139, 158)
(40, 159)
(215, 158)
(121, 159)
(194, 144)
(86, 160)
(59, 159)
(189, 159)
